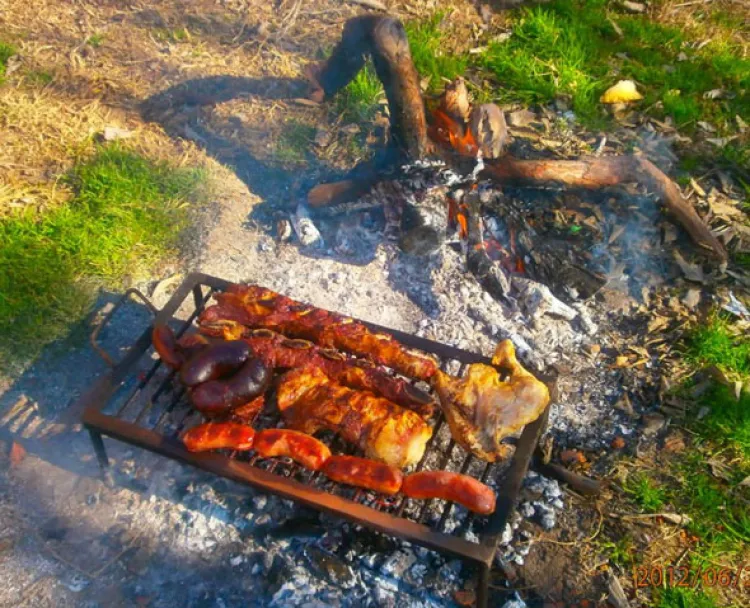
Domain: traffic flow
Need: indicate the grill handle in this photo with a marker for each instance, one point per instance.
(132, 291)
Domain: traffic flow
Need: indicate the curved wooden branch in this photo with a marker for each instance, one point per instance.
(383, 38)
(599, 172)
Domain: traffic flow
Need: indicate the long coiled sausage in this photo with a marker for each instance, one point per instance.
(219, 397)
(214, 362)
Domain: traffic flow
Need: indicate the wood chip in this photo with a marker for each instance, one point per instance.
(17, 454)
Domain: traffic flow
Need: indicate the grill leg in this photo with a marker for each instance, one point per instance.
(482, 585)
(101, 451)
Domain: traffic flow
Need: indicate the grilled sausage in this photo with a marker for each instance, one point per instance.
(219, 435)
(300, 447)
(365, 473)
(222, 396)
(166, 346)
(465, 490)
(215, 362)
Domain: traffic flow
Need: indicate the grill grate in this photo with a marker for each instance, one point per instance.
(150, 410)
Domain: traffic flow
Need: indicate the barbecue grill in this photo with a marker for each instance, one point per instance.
(149, 410)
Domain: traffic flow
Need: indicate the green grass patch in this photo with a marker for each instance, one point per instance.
(716, 506)
(126, 214)
(294, 141)
(679, 597)
(6, 52)
(428, 44)
(570, 48)
(728, 422)
(647, 494)
(95, 40)
(715, 343)
(172, 35)
(39, 78)
(359, 100)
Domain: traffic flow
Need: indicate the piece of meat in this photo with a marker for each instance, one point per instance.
(214, 362)
(482, 409)
(257, 307)
(364, 473)
(219, 435)
(309, 401)
(165, 344)
(300, 447)
(284, 353)
(248, 412)
(465, 490)
(219, 397)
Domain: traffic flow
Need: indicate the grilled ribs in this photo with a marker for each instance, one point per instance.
(309, 401)
(258, 307)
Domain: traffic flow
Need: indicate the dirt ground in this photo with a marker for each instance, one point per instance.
(67, 538)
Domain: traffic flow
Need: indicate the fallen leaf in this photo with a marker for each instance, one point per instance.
(692, 298)
(719, 469)
(653, 423)
(624, 91)
(676, 518)
(692, 272)
(622, 361)
(706, 126)
(633, 7)
(17, 454)
(618, 443)
(572, 457)
(115, 133)
(720, 142)
(674, 443)
(741, 124)
(745, 482)
(698, 190)
(521, 118)
(714, 94)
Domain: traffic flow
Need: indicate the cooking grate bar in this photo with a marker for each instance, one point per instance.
(139, 387)
(449, 505)
(420, 465)
(157, 364)
(179, 393)
(444, 461)
(163, 385)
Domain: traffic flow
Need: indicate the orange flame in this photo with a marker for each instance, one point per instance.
(448, 132)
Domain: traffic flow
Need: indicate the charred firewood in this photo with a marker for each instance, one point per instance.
(599, 172)
(424, 224)
(490, 275)
(384, 39)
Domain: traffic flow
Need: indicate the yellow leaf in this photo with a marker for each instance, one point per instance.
(623, 92)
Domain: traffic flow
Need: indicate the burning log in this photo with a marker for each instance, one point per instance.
(600, 172)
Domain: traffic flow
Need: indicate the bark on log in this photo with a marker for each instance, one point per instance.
(383, 38)
(599, 172)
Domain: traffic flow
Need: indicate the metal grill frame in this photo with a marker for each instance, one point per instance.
(480, 554)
